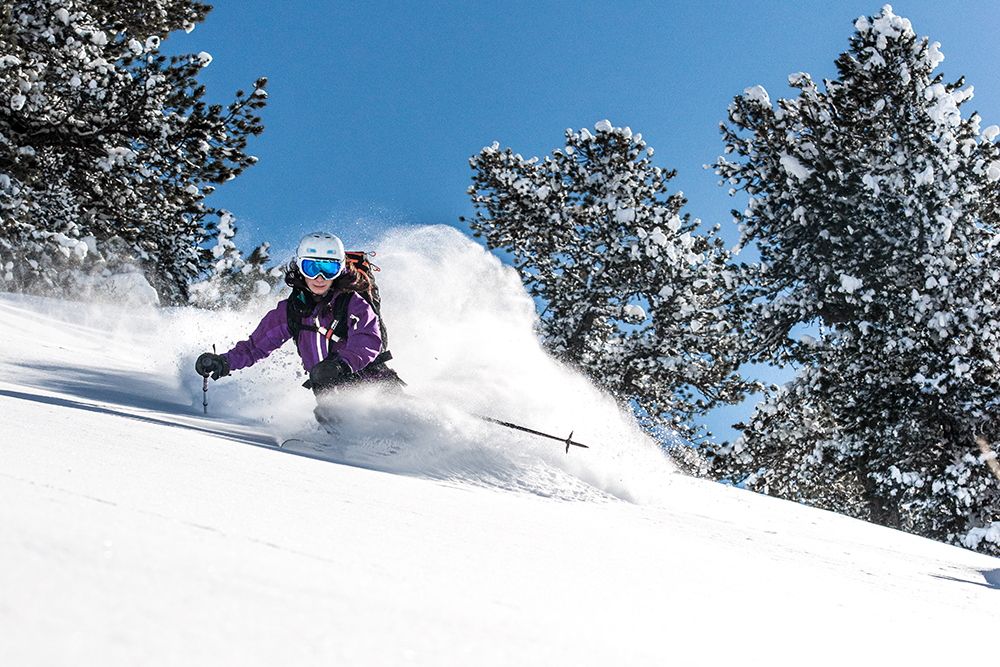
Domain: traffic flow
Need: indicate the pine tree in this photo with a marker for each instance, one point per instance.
(107, 149)
(234, 282)
(631, 295)
(874, 204)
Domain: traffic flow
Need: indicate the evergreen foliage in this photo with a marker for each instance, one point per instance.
(632, 296)
(874, 204)
(233, 282)
(107, 149)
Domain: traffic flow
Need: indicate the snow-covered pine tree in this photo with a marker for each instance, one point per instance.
(630, 294)
(234, 282)
(107, 149)
(874, 204)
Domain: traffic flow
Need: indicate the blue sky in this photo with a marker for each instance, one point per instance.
(375, 107)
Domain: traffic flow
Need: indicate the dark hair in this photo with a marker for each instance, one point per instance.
(349, 280)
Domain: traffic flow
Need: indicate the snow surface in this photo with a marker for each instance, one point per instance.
(134, 529)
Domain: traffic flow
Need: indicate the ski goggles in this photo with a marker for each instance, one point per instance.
(328, 269)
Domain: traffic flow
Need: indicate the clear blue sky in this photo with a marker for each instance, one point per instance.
(375, 107)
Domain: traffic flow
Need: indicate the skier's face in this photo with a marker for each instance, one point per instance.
(318, 285)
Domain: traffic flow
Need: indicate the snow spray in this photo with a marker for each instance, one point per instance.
(462, 333)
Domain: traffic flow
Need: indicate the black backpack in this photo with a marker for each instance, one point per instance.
(299, 306)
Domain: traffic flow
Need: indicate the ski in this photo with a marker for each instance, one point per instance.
(364, 448)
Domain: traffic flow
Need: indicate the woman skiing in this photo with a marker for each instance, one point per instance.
(336, 330)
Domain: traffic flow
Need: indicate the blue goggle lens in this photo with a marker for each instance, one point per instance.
(314, 268)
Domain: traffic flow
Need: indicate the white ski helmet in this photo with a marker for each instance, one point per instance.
(320, 246)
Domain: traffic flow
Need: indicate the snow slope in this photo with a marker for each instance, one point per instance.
(135, 529)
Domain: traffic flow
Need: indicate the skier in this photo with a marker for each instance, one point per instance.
(335, 328)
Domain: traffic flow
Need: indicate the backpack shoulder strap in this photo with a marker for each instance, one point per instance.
(339, 328)
(295, 309)
(340, 316)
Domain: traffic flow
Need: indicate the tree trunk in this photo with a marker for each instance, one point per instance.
(881, 511)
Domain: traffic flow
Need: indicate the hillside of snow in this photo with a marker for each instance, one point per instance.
(137, 529)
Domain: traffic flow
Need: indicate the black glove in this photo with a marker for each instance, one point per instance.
(328, 374)
(215, 365)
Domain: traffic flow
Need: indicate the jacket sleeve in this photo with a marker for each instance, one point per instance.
(270, 334)
(364, 342)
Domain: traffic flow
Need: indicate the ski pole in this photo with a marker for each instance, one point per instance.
(569, 440)
(204, 389)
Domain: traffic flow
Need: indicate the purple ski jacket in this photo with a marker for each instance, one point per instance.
(359, 348)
